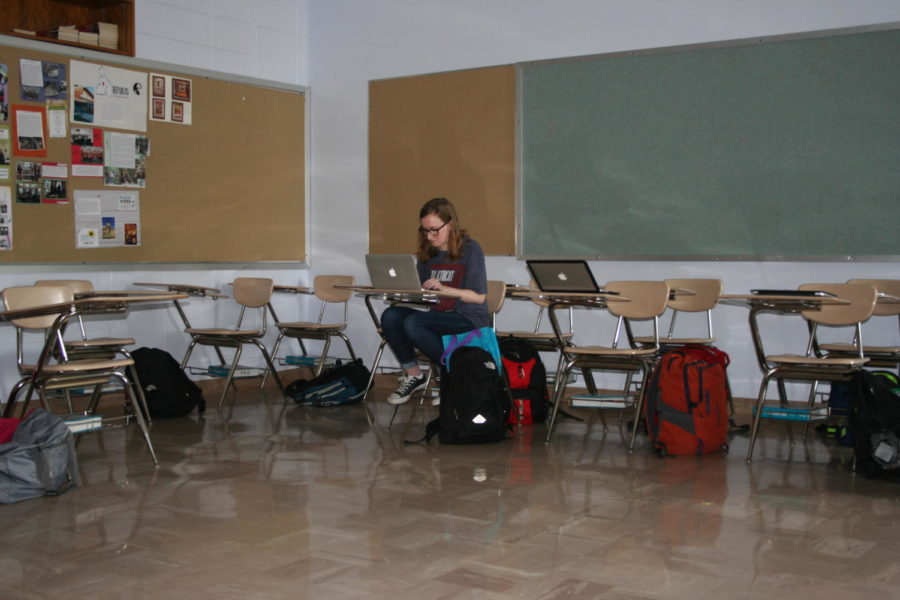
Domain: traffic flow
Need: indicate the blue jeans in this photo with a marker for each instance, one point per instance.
(406, 329)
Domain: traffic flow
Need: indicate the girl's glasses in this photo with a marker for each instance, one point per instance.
(431, 231)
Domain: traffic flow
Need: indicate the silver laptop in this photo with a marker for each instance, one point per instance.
(563, 276)
(393, 272)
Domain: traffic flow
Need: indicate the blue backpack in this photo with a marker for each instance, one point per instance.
(342, 384)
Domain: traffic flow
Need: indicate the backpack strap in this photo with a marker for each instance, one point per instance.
(431, 430)
(455, 343)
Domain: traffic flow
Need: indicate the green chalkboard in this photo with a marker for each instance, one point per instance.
(763, 149)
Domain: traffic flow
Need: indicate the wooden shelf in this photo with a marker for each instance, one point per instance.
(43, 16)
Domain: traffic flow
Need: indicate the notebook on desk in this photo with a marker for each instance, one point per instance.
(572, 276)
(393, 272)
(798, 293)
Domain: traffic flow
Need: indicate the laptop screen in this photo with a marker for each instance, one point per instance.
(563, 276)
(393, 272)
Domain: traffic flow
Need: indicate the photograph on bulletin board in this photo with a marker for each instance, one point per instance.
(171, 99)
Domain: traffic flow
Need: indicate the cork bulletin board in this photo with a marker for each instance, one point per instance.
(446, 135)
(229, 187)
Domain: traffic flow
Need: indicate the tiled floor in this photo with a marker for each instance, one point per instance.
(288, 502)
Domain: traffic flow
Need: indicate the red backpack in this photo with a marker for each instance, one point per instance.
(527, 379)
(686, 404)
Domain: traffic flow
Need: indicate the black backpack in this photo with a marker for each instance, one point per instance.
(474, 400)
(527, 379)
(168, 390)
(342, 384)
(875, 424)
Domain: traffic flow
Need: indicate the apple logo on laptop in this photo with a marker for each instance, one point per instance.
(392, 272)
(562, 277)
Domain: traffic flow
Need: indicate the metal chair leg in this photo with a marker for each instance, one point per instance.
(559, 392)
(639, 405)
(230, 376)
(760, 401)
(274, 354)
(375, 364)
(138, 414)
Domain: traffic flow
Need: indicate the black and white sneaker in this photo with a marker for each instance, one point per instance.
(408, 385)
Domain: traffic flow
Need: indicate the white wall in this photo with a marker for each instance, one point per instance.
(354, 41)
(336, 46)
(264, 38)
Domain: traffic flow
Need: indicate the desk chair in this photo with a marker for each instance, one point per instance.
(54, 370)
(496, 293)
(887, 356)
(249, 292)
(325, 288)
(646, 301)
(704, 298)
(809, 367)
(544, 341)
(82, 288)
(102, 347)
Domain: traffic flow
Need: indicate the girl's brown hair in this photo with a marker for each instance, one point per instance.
(447, 214)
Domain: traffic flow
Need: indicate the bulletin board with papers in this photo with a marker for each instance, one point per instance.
(109, 162)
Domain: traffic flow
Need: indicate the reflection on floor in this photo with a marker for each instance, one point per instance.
(281, 501)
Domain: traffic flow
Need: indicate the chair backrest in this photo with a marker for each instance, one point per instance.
(79, 286)
(861, 297)
(252, 292)
(705, 295)
(646, 299)
(29, 296)
(325, 290)
(884, 286)
(496, 295)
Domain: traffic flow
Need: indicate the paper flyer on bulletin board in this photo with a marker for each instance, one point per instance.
(41, 80)
(6, 224)
(29, 130)
(125, 159)
(107, 219)
(87, 152)
(4, 94)
(106, 96)
(5, 153)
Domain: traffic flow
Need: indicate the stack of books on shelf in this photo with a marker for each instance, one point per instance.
(89, 35)
(105, 35)
(82, 423)
(67, 33)
(109, 35)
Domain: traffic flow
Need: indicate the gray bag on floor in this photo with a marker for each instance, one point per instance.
(39, 461)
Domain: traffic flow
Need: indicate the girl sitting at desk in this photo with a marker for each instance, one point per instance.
(452, 263)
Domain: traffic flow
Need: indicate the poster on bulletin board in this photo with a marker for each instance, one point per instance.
(106, 96)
